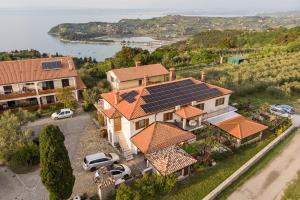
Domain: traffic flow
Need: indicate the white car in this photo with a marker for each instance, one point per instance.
(97, 160)
(62, 113)
(118, 171)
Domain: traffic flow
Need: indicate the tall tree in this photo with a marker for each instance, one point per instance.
(11, 133)
(65, 96)
(56, 171)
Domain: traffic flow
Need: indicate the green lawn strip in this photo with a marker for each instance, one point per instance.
(258, 166)
(292, 192)
(201, 183)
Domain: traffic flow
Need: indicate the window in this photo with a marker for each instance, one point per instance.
(7, 89)
(140, 82)
(220, 101)
(141, 124)
(112, 79)
(200, 106)
(65, 82)
(48, 85)
(168, 116)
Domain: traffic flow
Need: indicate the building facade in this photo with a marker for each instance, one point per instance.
(132, 77)
(34, 81)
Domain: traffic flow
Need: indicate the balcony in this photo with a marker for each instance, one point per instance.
(16, 95)
(51, 91)
(218, 112)
(99, 105)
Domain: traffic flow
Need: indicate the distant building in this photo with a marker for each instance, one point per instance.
(33, 82)
(131, 77)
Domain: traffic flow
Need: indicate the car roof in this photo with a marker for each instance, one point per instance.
(95, 156)
(65, 109)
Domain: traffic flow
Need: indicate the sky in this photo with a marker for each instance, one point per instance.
(257, 6)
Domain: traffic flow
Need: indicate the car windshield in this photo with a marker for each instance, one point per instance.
(108, 155)
(58, 112)
(118, 167)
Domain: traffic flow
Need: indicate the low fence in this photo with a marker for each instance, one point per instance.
(213, 194)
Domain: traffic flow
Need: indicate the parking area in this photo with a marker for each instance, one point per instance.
(81, 138)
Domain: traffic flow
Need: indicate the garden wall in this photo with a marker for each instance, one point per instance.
(213, 194)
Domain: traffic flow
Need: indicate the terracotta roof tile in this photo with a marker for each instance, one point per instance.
(30, 70)
(111, 113)
(170, 160)
(133, 73)
(134, 110)
(241, 127)
(189, 111)
(160, 135)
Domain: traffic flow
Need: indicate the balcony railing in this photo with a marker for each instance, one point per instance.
(218, 112)
(15, 95)
(99, 105)
(50, 91)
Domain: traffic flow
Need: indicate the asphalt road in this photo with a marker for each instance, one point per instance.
(271, 181)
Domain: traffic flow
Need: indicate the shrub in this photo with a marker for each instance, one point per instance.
(147, 187)
(191, 148)
(87, 107)
(26, 155)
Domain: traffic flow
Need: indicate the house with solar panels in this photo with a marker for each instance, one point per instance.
(33, 82)
(131, 77)
(184, 104)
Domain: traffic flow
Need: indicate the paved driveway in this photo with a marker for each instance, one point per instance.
(273, 179)
(28, 186)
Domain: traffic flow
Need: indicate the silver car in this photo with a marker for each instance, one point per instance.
(97, 160)
(118, 171)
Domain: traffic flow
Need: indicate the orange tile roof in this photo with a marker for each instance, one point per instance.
(111, 113)
(20, 71)
(189, 111)
(160, 135)
(133, 73)
(134, 110)
(170, 160)
(241, 127)
(80, 84)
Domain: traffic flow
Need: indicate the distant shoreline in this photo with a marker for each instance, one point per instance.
(154, 43)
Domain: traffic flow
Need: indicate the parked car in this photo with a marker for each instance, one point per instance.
(118, 171)
(97, 160)
(62, 113)
(282, 110)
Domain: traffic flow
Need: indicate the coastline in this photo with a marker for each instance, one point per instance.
(154, 43)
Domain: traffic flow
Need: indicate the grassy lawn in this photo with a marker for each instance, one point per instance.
(201, 183)
(293, 190)
(258, 166)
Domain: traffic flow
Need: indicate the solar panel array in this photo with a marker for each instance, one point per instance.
(178, 93)
(51, 65)
(130, 96)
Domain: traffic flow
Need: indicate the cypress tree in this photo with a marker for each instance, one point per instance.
(56, 171)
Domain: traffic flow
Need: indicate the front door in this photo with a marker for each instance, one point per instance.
(117, 124)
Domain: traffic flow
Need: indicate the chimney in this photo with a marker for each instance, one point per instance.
(146, 80)
(70, 65)
(203, 76)
(137, 63)
(172, 74)
(117, 97)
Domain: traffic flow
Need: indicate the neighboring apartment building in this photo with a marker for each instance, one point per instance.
(34, 81)
(185, 103)
(131, 77)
